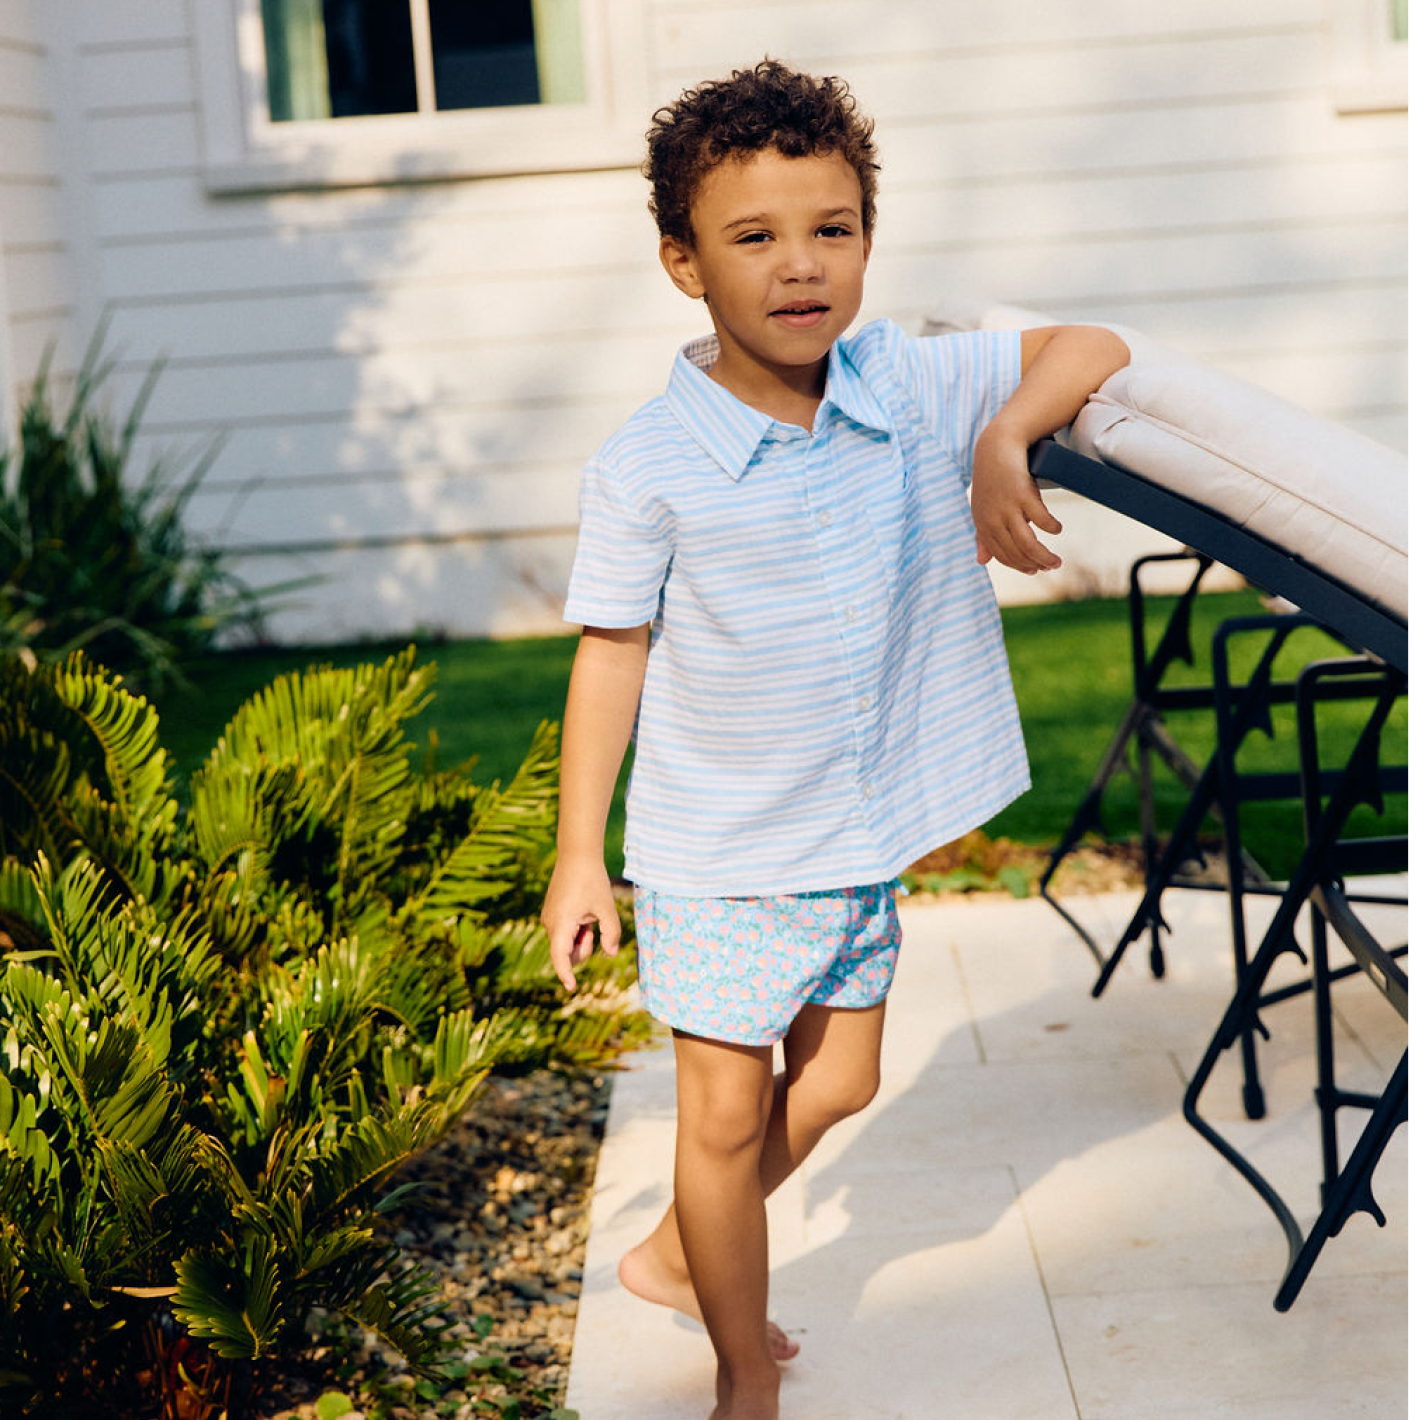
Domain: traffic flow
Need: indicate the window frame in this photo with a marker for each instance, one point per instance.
(245, 150)
(1369, 65)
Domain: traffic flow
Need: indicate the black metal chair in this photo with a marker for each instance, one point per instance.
(1329, 797)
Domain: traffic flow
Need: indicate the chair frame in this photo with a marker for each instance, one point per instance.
(1377, 674)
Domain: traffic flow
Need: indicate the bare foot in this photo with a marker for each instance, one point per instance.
(643, 1272)
(752, 1410)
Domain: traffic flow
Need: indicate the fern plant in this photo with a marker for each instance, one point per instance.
(224, 1031)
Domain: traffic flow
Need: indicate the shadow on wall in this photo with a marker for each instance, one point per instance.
(413, 375)
(411, 388)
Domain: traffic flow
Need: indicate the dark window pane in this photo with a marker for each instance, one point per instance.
(484, 53)
(370, 54)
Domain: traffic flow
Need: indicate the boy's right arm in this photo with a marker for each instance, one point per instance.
(602, 698)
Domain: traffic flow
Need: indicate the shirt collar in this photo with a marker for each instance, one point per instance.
(728, 429)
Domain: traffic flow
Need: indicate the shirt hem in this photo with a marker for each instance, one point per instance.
(788, 884)
(601, 616)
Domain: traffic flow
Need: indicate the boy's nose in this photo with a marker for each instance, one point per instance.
(801, 263)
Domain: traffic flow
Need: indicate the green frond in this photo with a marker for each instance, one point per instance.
(332, 996)
(419, 983)
(25, 1146)
(157, 1193)
(348, 1172)
(125, 727)
(506, 825)
(339, 814)
(134, 852)
(14, 1283)
(242, 806)
(36, 771)
(504, 956)
(404, 1309)
(300, 714)
(232, 1300)
(123, 957)
(20, 910)
(103, 1067)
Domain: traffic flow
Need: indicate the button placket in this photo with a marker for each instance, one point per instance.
(837, 547)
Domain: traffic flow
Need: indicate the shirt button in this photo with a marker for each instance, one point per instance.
(825, 518)
(865, 702)
(867, 791)
(850, 613)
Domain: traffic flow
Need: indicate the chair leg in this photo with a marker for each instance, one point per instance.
(1352, 1192)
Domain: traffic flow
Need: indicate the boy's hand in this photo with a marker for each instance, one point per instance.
(578, 903)
(1005, 502)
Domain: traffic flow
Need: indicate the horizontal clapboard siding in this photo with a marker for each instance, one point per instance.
(409, 377)
(36, 286)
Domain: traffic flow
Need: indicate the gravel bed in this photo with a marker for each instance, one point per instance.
(502, 1225)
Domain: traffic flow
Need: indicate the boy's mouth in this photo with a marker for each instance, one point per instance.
(800, 312)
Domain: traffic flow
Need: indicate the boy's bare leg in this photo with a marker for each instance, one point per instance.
(723, 1102)
(831, 1061)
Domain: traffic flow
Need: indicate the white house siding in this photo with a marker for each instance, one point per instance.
(410, 377)
(36, 285)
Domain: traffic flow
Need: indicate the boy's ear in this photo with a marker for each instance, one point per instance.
(682, 267)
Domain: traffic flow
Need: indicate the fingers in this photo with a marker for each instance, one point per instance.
(1042, 517)
(1014, 545)
(1005, 533)
(562, 950)
(572, 945)
(609, 926)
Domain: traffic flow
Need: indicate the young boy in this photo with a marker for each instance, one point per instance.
(782, 590)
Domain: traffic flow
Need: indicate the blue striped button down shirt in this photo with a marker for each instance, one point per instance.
(827, 696)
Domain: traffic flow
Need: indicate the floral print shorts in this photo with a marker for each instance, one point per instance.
(740, 969)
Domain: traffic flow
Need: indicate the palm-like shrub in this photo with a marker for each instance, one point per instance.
(224, 1030)
(94, 554)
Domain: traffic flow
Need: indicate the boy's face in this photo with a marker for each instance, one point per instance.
(779, 258)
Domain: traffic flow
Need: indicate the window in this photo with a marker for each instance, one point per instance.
(1369, 55)
(344, 58)
(338, 92)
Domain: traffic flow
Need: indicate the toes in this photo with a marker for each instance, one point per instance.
(781, 1346)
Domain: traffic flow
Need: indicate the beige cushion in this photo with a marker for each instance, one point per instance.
(1326, 494)
(1329, 496)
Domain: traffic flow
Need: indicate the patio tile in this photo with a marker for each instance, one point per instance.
(1160, 1208)
(1030, 988)
(1205, 1351)
(1022, 1208)
(1025, 1114)
(932, 1306)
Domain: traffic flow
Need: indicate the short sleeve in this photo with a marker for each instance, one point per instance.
(960, 381)
(622, 556)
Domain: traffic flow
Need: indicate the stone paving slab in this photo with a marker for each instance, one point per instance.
(1022, 1224)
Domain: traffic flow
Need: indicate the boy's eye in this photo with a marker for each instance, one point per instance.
(748, 238)
(834, 229)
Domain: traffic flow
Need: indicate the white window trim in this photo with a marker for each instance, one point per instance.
(244, 151)
(1369, 68)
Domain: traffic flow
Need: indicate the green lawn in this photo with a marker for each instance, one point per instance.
(1072, 673)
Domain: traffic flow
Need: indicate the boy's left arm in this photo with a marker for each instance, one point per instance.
(1061, 366)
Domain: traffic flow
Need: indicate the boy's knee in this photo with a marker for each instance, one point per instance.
(838, 1097)
(727, 1126)
(857, 1094)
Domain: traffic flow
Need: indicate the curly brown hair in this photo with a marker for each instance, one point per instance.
(769, 106)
